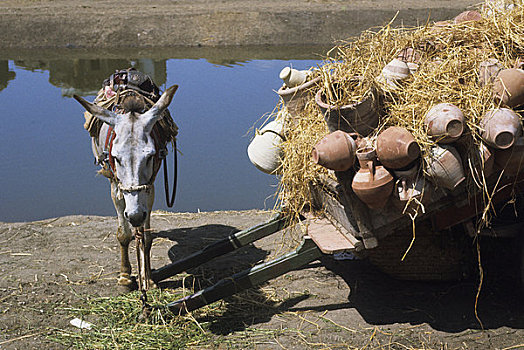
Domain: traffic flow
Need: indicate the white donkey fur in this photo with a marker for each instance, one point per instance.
(132, 191)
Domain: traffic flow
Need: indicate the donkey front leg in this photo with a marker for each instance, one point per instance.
(124, 236)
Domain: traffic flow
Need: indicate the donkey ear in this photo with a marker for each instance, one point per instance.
(99, 112)
(155, 113)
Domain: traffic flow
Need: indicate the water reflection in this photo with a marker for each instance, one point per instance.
(5, 74)
(46, 153)
(85, 76)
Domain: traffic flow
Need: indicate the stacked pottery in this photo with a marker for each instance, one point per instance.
(489, 70)
(444, 166)
(393, 73)
(335, 151)
(396, 148)
(509, 87)
(373, 183)
(361, 117)
(511, 160)
(264, 151)
(445, 122)
(500, 128)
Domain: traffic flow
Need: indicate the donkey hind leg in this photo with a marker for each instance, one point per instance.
(124, 236)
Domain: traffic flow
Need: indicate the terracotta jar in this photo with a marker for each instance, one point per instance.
(500, 127)
(467, 16)
(409, 55)
(511, 160)
(396, 148)
(361, 117)
(489, 70)
(373, 183)
(444, 166)
(509, 87)
(445, 122)
(336, 151)
(295, 98)
(393, 73)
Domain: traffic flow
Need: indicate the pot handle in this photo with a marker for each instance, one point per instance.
(370, 164)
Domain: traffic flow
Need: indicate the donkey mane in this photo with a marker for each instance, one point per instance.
(133, 103)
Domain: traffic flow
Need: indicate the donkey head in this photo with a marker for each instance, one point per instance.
(133, 152)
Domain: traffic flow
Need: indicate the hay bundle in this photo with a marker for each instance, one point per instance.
(448, 55)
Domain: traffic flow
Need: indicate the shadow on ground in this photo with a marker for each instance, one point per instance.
(377, 297)
(243, 309)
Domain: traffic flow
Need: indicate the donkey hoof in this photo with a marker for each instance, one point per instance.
(125, 280)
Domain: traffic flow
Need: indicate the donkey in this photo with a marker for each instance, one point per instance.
(133, 155)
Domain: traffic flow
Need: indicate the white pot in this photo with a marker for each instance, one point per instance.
(264, 151)
(293, 77)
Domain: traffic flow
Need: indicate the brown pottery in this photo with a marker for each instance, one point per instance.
(467, 16)
(445, 167)
(373, 184)
(500, 127)
(509, 87)
(396, 148)
(511, 160)
(445, 122)
(361, 117)
(488, 160)
(335, 151)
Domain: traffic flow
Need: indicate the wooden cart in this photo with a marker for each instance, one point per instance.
(349, 226)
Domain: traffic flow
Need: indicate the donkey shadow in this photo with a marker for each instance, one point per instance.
(243, 309)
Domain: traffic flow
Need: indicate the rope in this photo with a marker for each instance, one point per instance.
(171, 201)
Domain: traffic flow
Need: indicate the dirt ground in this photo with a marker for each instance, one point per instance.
(49, 266)
(167, 23)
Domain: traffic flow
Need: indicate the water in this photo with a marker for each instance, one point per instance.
(47, 165)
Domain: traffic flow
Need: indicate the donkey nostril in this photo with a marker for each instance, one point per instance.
(126, 215)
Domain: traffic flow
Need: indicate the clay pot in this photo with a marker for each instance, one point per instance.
(467, 16)
(373, 183)
(396, 148)
(293, 77)
(335, 151)
(509, 87)
(501, 127)
(361, 117)
(511, 160)
(264, 151)
(445, 122)
(444, 166)
(394, 72)
(295, 99)
(489, 70)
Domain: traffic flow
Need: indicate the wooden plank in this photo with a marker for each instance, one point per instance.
(327, 237)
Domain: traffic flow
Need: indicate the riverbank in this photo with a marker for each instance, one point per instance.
(28, 24)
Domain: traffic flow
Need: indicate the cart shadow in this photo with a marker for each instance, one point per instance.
(445, 306)
(245, 308)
